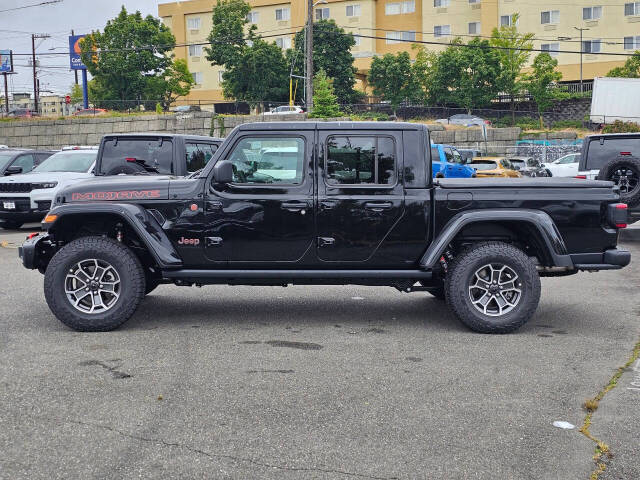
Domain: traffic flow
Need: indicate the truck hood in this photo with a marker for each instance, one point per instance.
(36, 177)
(118, 188)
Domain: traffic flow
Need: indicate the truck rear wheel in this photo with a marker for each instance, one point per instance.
(493, 287)
(94, 284)
(624, 171)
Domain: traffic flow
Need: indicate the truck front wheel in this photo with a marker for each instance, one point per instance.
(94, 284)
(493, 287)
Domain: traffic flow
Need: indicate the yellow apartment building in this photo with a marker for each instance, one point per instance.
(383, 26)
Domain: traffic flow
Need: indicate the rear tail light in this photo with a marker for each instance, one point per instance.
(625, 154)
(130, 159)
(617, 215)
(31, 235)
(583, 177)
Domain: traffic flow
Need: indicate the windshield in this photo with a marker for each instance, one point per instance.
(68, 161)
(5, 158)
(611, 147)
(484, 165)
(518, 163)
(137, 155)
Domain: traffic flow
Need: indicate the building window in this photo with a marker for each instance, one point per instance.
(358, 40)
(440, 3)
(632, 8)
(283, 42)
(506, 20)
(409, 36)
(393, 37)
(441, 30)
(632, 43)
(195, 50)
(551, 48)
(253, 17)
(197, 77)
(474, 1)
(591, 46)
(220, 74)
(283, 13)
(550, 16)
(322, 13)
(353, 10)
(591, 13)
(474, 28)
(193, 23)
(397, 8)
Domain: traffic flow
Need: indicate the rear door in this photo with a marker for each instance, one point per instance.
(360, 195)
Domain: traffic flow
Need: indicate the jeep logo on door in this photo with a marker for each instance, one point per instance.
(121, 195)
(189, 241)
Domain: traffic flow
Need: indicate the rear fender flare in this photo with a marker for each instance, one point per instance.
(138, 218)
(541, 221)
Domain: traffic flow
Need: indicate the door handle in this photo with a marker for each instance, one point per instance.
(326, 241)
(213, 205)
(327, 205)
(213, 241)
(295, 206)
(378, 206)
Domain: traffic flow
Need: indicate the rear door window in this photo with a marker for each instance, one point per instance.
(360, 160)
(198, 155)
(150, 155)
(600, 152)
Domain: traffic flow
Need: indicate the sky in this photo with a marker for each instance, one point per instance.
(57, 20)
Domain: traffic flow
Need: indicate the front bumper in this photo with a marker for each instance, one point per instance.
(25, 209)
(36, 251)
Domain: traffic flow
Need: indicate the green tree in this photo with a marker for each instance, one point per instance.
(541, 82)
(630, 69)
(227, 36)
(392, 78)
(325, 102)
(332, 54)
(175, 82)
(423, 73)
(76, 94)
(129, 51)
(260, 73)
(513, 49)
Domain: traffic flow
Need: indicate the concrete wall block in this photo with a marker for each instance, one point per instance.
(460, 136)
(93, 139)
(445, 136)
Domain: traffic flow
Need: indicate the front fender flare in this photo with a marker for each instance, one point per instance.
(540, 220)
(138, 218)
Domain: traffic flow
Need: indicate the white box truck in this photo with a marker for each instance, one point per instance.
(615, 99)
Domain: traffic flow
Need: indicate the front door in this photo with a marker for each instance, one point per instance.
(266, 216)
(360, 195)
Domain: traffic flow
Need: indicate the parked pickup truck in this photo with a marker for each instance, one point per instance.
(447, 162)
(323, 203)
(146, 153)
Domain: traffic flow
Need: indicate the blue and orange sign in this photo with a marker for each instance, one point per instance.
(74, 53)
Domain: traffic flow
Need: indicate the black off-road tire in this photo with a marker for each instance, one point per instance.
(10, 225)
(632, 197)
(460, 277)
(128, 267)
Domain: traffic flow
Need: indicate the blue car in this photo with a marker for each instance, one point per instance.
(447, 162)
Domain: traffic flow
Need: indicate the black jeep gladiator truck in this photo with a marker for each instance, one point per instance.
(323, 203)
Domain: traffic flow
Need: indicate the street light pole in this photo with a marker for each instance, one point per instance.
(309, 57)
(581, 52)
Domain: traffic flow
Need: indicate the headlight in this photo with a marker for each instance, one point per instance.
(37, 186)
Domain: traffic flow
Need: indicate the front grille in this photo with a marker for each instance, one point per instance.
(22, 204)
(44, 205)
(15, 187)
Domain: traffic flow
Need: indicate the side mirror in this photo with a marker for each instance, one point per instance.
(223, 172)
(13, 170)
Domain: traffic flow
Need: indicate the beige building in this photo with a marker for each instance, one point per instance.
(383, 26)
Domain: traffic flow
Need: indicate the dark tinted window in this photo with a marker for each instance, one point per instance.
(5, 158)
(25, 161)
(198, 155)
(598, 155)
(356, 160)
(448, 155)
(130, 155)
(268, 160)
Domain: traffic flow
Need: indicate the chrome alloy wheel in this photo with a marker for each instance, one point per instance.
(92, 286)
(495, 289)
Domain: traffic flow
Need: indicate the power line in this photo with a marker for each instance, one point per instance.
(30, 6)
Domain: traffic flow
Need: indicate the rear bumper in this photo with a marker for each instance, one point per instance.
(612, 259)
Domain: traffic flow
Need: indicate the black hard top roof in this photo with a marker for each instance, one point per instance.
(612, 135)
(166, 135)
(313, 125)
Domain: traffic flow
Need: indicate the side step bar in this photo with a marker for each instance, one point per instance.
(195, 275)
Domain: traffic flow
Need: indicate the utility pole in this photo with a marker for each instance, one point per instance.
(35, 73)
(6, 92)
(581, 52)
(309, 54)
(75, 71)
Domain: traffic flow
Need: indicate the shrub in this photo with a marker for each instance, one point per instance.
(568, 124)
(159, 108)
(527, 123)
(621, 127)
(376, 116)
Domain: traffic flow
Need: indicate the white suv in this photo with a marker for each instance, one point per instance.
(27, 197)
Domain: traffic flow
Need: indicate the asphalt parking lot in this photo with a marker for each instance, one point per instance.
(317, 382)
